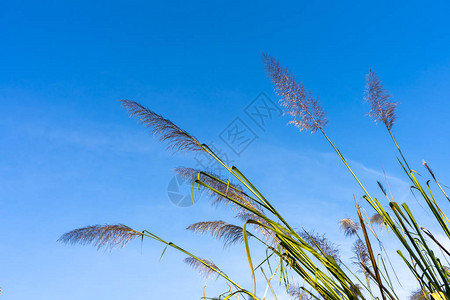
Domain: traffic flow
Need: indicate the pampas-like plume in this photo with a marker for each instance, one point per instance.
(379, 99)
(377, 219)
(349, 226)
(229, 233)
(268, 234)
(434, 178)
(321, 243)
(177, 138)
(205, 267)
(429, 169)
(299, 103)
(107, 236)
(382, 188)
(233, 191)
(362, 258)
(297, 293)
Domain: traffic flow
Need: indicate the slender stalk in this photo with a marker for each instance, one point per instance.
(369, 248)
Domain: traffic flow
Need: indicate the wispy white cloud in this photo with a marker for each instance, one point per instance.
(94, 138)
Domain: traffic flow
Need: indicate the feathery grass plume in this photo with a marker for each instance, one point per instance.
(434, 178)
(428, 168)
(268, 234)
(235, 192)
(382, 188)
(177, 138)
(107, 236)
(377, 219)
(349, 226)
(205, 267)
(321, 244)
(299, 103)
(382, 107)
(232, 190)
(361, 258)
(297, 293)
(229, 233)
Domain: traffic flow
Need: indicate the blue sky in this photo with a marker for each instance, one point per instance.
(70, 156)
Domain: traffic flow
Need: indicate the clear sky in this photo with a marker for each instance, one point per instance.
(70, 156)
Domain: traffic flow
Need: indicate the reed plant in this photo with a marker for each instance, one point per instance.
(308, 265)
